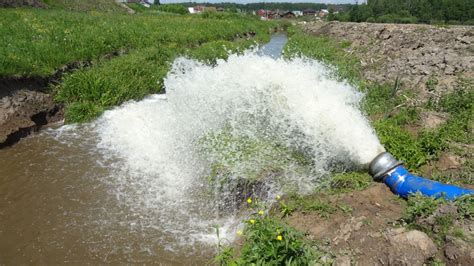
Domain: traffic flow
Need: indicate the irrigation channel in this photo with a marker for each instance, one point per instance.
(133, 186)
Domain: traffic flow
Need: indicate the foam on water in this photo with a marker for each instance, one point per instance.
(296, 104)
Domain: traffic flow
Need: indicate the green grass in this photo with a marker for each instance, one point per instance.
(347, 182)
(89, 92)
(169, 8)
(42, 41)
(324, 49)
(85, 5)
(269, 241)
(315, 203)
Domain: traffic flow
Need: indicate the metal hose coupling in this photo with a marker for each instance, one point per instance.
(385, 168)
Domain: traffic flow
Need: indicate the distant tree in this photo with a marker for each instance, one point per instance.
(421, 9)
(360, 13)
(417, 10)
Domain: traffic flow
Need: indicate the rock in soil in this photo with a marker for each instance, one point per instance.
(458, 252)
(409, 247)
(432, 120)
(448, 161)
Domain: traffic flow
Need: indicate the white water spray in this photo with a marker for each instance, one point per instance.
(288, 105)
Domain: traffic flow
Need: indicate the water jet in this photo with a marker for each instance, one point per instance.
(385, 168)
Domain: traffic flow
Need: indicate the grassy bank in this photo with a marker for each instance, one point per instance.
(42, 41)
(86, 5)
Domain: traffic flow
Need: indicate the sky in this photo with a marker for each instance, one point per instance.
(261, 1)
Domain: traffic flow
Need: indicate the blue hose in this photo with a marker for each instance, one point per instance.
(403, 183)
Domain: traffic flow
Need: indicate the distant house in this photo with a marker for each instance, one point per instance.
(145, 3)
(199, 9)
(220, 9)
(309, 12)
(271, 14)
(323, 12)
(297, 13)
(288, 14)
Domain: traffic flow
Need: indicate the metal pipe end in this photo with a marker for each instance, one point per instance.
(382, 164)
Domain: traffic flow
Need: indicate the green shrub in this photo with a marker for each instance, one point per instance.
(395, 18)
(401, 144)
(465, 206)
(174, 8)
(371, 20)
(460, 100)
(469, 22)
(269, 241)
(419, 206)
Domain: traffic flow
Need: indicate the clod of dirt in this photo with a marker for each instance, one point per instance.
(458, 252)
(432, 120)
(342, 261)
(25, 111)
(409, 247)
(344, 232)
(448, 161)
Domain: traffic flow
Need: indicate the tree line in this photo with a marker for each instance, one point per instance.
(181, 8)
(410, 11)
(268, 6)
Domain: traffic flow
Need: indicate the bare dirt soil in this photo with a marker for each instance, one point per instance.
(24, 111)
(368, 232)
(426, 58)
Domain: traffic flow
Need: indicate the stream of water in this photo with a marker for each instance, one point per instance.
(129, 187)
